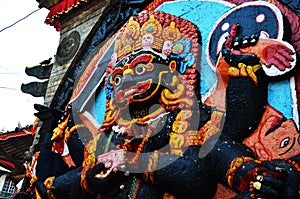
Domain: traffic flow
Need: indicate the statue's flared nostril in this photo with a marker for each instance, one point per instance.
(128, 81)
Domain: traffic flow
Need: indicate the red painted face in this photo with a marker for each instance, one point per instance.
(276, 137)
(283, 142)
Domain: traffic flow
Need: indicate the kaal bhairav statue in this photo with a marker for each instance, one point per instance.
(158, 138)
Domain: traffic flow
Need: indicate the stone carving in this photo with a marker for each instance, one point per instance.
(68, 48)
(40, 72)
(36, 89)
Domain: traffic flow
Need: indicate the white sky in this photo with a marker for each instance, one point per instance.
(25, 44)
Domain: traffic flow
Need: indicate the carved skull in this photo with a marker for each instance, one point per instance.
(147, 40)
(166, 49)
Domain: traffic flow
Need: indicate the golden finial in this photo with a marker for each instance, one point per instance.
(171, 33)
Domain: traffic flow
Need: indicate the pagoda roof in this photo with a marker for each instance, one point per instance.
(12, 148)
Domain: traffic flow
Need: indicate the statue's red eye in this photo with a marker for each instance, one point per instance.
(140, 69)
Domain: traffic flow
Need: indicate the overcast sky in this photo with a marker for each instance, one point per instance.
(27, 43)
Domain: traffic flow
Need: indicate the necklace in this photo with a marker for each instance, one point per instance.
(140, 147)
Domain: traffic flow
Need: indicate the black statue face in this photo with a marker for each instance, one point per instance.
(138, 79)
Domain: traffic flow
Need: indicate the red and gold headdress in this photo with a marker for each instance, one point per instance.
(163, 27)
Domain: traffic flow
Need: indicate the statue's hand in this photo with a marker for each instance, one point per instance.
(106, 177)
(112, 160)
(277, 55)
(262, 186)
(231, 50)
(105, 181)
(277, 179)
(290, 179)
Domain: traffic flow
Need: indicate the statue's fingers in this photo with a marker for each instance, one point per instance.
(253, 39)
(277, 63)
(108, 164)
(283, 60)
(96, 169)
(285, 51)
(237, 42)
(287, 55)
(273, 182)
(264, 190)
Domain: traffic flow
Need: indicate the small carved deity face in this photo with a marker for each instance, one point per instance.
(147, 40)
(167, 48)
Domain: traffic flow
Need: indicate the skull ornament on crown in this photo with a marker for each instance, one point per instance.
(147, 41)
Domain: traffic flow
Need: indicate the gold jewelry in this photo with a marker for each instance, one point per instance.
(257, 185)
(48, 183)
(259, 178)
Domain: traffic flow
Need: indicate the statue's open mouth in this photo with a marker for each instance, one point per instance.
(129, 93)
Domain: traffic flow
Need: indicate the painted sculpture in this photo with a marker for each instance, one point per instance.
(146, 88)
(160, 138)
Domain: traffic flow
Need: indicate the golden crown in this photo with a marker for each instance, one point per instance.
(162, 26)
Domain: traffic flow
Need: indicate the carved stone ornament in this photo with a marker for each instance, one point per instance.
(39, 71)
(67, 48)
(36, 89)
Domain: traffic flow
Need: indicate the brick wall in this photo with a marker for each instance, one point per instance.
(80, 20)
